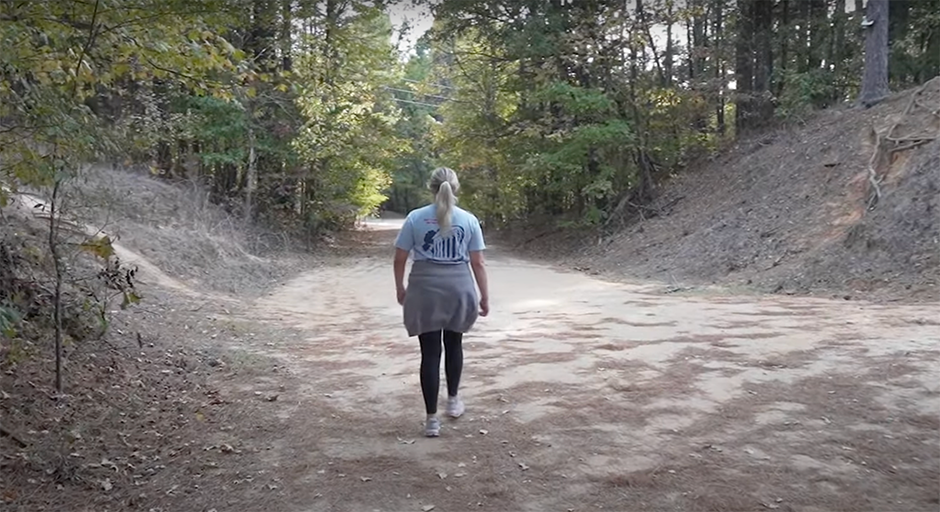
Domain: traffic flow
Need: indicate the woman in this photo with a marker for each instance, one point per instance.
(441, 302)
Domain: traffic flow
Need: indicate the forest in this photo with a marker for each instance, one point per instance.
(714, 253)
(304, 116)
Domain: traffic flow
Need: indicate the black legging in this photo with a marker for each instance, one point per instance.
(431, 365)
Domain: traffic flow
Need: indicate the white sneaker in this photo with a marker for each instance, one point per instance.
(432, 428)
(455, 407)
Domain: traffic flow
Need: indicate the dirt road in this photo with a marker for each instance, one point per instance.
(585, 395)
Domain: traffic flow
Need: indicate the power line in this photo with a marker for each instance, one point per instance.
(435, 85)
(416, 93)
(416, 103)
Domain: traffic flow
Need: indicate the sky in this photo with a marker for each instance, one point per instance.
(418, 17)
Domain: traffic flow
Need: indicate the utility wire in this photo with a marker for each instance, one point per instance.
(435, 85)
(416, 93)
(416, 103)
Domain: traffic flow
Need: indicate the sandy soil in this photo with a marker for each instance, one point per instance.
(582, 395)
(589, 395)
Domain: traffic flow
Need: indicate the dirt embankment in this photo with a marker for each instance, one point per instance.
(581, 394)
(175, 227)
(787, 212)
(140, 424)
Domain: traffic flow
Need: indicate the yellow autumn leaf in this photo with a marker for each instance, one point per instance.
(100, 247)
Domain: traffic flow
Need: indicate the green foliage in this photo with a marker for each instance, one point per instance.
(9, 319)
(807, 91)
(544, 145)
(57, 55)
(348, 139)
(411, 168)
(161, 82)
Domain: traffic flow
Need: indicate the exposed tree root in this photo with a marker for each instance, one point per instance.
(882, 148)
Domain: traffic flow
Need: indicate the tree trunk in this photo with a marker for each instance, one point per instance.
(744, 66)
(668, 56)
(762, 16)
(899, 25)
(719, 8)
(57, 264)
(698, 37)
(837, 56)
(783, 31)
(802, 53)
(633, 58)
(875, 75)
(285, 36)
(645, 26)
(818, 25)
(251, 175)
(899, 19)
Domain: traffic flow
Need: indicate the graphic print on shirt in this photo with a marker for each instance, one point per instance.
(445, 249)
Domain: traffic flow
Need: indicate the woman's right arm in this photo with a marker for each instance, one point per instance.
(403, 245)
(478, 264)
(401, 259)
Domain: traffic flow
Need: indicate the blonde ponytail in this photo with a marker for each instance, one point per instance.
(445, 201)
(445, 185)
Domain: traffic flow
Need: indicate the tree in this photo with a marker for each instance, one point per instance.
(348, 142)
(744, 65)
(875, 78)
(58, 58)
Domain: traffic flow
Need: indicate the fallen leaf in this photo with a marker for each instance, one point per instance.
(442, 475)
(483, 431)
(365, 479)
(523, 466)
(428, 508)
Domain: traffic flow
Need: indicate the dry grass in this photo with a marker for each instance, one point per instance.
(177, 228)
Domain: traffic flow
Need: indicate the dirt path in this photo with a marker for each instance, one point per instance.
(586, 395)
